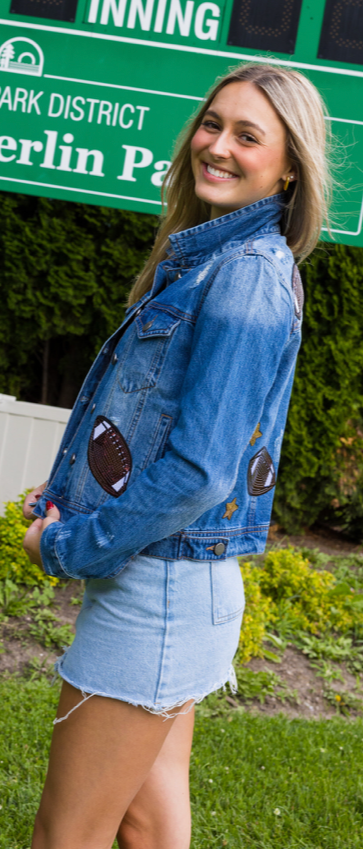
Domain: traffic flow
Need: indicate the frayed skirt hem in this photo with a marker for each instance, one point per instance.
(163, 710)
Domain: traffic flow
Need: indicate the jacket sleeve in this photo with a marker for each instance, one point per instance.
(243, 326)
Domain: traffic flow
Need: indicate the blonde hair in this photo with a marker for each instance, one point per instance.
(301, 109)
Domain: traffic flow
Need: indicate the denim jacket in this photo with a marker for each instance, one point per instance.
(193, 391)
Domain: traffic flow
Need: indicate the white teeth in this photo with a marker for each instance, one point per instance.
(216, 173)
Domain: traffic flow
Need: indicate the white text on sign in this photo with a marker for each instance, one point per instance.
(79, 160)
(165, 16)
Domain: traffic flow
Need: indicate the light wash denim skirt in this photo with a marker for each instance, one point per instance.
(159, 634)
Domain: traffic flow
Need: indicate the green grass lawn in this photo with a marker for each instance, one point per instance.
(269, 783)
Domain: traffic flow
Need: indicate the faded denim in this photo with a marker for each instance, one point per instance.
(198, 380)
(159, 634)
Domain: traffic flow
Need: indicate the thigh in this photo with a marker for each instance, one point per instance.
(159, 815)
(99, 758)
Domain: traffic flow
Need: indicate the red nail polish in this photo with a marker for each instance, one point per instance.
(49, 505)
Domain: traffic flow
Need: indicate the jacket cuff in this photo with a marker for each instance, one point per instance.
(51, 563)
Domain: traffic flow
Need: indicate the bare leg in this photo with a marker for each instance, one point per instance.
(159, 815)
(99, 759)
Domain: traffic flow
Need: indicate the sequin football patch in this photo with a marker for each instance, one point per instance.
(261, 476)
(109, 457)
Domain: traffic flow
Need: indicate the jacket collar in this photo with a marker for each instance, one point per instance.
(192, 246)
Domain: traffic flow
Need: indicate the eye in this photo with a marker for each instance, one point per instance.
(210, 125)
(246, 137)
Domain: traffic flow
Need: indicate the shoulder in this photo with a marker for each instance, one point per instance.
(258, 273)
(266, 252)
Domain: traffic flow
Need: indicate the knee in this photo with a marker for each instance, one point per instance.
(134, 834)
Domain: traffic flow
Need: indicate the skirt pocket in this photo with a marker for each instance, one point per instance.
(228, 598)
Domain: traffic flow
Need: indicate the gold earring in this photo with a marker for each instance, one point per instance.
(287, 183)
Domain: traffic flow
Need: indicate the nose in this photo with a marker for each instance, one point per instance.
(220, 146)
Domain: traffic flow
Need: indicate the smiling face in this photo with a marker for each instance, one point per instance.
(238, 153)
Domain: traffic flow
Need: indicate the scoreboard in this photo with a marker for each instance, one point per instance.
(93, 93)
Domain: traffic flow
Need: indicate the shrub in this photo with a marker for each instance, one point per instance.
(287, 594)
(296, 591)
(256, 617)
(14, 563)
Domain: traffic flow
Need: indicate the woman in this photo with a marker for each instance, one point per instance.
(167, 467)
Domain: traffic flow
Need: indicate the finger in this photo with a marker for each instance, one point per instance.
(48, 521)
(52, 511)
(35, 528)
(31, 543)
(29, 504)
(28, 512)
(31, 500)
(32, 538)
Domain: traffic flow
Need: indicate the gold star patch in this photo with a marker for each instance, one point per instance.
(231, 506)
(256, 434)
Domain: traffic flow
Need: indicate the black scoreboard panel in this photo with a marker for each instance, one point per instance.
(56, 10)
(265, 24)
(342, 33)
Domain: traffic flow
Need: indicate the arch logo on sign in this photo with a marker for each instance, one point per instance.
(21, 56)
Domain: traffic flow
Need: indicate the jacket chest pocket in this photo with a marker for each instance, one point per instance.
(151, 335)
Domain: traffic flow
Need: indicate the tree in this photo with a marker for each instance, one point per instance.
(65, 272)
(7, 54)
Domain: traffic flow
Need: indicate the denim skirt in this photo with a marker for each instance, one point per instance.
(159, 634)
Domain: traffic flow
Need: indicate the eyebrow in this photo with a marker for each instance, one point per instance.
(245, 123)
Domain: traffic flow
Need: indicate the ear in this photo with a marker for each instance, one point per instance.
(290, 175)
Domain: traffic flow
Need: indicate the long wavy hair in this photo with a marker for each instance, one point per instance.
(301, 109)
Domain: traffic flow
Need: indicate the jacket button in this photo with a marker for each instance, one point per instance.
(93, 407)
(147, 325)
(72, 460)
(114, 359)
(219, 548)
(65, 450)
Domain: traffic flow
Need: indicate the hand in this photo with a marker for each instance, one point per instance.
(33, 496)
(33, 535)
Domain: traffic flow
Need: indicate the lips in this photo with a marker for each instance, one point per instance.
(213, 173)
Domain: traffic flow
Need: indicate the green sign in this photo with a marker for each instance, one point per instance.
(93, 93)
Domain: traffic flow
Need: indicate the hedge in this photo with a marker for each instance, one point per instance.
(65, 273)
(321, 470)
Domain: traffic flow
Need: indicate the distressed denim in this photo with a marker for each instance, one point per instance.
(160, 634)
(197, 379)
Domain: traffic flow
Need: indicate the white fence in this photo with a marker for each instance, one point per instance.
(29, 438)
